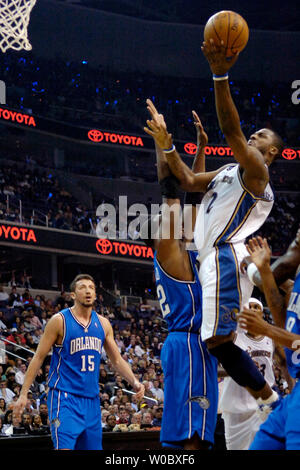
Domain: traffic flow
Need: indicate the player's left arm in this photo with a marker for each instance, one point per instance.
(192, 200)
(198, 165)
(251, 321)
(189, 181)
(121, 366)
(251, 160)
(260, 253)
(280, 358)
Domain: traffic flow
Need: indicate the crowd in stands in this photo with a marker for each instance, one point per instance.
(138, 334)
(77, 92)
(46, 202)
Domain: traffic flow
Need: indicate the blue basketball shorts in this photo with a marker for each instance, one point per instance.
(190, 371)
(75, 421)
(224, 289)
(281, 431)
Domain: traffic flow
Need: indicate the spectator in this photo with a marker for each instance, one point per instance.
(7, 422)
(26, 422)
(37, 426)
(11, 376)
(104, 414)
(4, 298)
(2, 407)
(146, 421)
(110, 423)
(158, 417)
(43, 411)
(123, 416)
(157, 392)
(5, 392)
(20, 375)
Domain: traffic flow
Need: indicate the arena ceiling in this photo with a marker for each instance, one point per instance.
(260, 14)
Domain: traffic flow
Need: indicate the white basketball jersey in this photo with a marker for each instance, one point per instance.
(228, 211)
(236, 399)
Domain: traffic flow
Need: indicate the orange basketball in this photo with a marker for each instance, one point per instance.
(229, 27)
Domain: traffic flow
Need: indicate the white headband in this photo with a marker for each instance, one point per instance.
(253, 300)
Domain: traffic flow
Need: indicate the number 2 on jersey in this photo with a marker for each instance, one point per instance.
(164, 306)
(213, 198)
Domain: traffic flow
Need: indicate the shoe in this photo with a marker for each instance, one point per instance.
(264, 409)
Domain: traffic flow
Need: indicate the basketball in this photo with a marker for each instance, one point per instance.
(229, 27)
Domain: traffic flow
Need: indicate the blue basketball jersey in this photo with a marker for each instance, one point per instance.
(75, 364)
(180, 301)
(293, 325)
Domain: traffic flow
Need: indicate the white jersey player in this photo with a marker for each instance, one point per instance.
(237, 202)
(228, 214)
(239, 409)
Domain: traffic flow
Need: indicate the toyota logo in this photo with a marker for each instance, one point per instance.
(95, 136)
(190, 148)
(104, 246)
(289, 154)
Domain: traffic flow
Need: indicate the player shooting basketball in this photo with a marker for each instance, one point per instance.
(237, 201)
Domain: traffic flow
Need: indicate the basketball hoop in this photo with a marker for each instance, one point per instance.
(14, 20)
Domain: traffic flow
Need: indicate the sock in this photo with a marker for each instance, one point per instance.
(268, 401)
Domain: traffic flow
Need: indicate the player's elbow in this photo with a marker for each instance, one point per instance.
(188, 183)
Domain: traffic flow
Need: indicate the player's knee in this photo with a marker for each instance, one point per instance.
(239, 365)
(195, 443)
(218, 340)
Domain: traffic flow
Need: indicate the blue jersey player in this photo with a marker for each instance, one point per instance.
(281, 431)
(236, 202)
(190, 372)
(77, 335)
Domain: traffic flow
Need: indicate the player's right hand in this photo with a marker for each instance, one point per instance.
(157, 127)
(259, 251)
(20, 405)
(202, 137)
(139, 389)
(216, 57)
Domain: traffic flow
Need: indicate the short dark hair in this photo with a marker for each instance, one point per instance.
(79, 277)
(278, 143)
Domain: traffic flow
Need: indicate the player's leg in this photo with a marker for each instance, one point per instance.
(66, 422)
(188, 385)
(272, 433)
(240, 429)
(220, 278)
(195, 443)
(91, 437)
(293, 419)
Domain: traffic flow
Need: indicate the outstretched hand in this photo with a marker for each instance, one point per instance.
(252, 321)
(19, 405)
(259, 251)
(216, 56)
(157, 127)
(202, 137)
(139, 390)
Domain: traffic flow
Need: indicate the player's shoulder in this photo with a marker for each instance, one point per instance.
(228, 167)
(105, 323)
(56, 322)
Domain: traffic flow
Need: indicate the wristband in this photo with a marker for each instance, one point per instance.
(251, 271)
(170, 150)
(218, 78)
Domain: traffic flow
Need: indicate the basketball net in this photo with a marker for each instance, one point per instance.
(14, 20)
